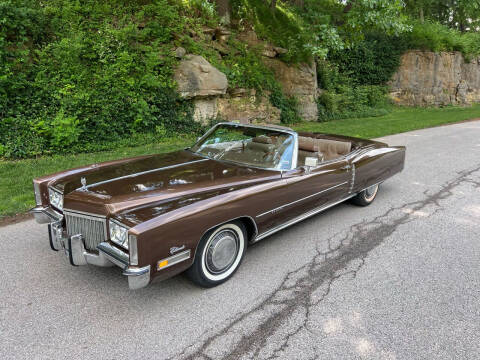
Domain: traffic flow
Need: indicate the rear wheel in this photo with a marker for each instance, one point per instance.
(219, 255)
(366, 197)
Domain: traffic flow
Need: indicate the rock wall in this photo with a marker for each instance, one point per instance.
(298, 80)
(436, 79)
(212, 97)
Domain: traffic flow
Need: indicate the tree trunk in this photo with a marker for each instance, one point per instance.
(273, 4)
(422, 17)
(224, 11)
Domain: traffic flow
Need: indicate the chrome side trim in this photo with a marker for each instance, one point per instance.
(300, 218)
(140, 173)
(304, 198)
(175, 259)
(353, 179)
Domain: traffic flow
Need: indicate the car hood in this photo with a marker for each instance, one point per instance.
(176, 178)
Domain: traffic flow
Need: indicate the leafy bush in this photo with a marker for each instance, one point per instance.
(437, 37)
(348, 102)
(87, 74)
(287, 105)
(372, 61)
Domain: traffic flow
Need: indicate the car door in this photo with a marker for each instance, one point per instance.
(308, 189)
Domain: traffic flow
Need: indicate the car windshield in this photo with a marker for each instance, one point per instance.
(251, 146)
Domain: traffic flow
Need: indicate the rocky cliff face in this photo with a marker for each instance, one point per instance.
(213, 98)
(436, 79)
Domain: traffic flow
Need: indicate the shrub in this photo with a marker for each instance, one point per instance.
(357, 101)
(372, 61)
(437, 37)
(75, 75)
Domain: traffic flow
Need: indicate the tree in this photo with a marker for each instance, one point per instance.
(337, 24)
(224, 10)
(462, 15)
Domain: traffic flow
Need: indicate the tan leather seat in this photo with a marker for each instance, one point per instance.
(325, 148)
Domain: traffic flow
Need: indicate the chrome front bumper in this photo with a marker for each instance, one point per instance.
(74, 249)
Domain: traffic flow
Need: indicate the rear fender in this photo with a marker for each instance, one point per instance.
(377, 165)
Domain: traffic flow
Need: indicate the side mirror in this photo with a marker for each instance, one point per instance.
(310, 162)
(305, 169)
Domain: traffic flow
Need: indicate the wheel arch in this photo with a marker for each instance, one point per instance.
(247, 221)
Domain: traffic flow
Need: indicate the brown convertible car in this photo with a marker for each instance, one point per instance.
(197, 209)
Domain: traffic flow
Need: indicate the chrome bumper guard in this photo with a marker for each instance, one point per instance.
(74, 249)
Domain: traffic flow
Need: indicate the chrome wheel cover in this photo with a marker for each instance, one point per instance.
(370, 192)
(222, 250)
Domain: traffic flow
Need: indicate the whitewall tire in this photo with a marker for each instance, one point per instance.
(366, 197)
(219, 254)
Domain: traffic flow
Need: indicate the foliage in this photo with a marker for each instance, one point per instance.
(436, 37)
(462, 15)
(353, 101)
(288, 106)
(319, 26)
(91, 73)
(367, 62)
(282, 26)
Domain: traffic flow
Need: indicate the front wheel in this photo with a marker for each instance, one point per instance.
(366, 197)
(218, 255)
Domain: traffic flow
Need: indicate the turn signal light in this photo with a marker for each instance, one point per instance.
(162, 264)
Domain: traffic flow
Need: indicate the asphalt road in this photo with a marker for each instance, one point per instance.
(399, 279)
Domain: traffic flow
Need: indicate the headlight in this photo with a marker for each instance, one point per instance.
(56, 198)
(118, 234)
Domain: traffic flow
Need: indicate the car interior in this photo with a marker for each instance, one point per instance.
(321, 148)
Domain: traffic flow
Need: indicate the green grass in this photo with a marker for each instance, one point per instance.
(16, 194)
(401, 119)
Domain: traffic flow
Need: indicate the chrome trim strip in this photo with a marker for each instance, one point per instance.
(140, 173)
(83, 214)
(306, 197)
(117, 256)
(300, 218)
(175, 259)
(353, 179)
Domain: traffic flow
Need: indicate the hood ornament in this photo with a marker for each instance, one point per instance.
(84, 183)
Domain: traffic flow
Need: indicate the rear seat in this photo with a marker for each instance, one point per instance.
(324, 149)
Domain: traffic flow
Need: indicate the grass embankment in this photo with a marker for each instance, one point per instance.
(16, 195)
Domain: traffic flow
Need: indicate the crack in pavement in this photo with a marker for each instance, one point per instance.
(249, 333)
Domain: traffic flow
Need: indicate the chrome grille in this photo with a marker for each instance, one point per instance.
(92, 228)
